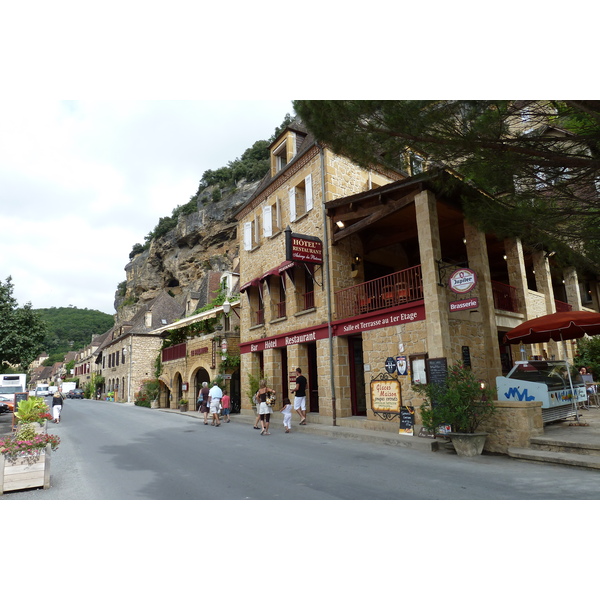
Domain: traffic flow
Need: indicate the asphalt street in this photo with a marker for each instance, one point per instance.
(122, 452)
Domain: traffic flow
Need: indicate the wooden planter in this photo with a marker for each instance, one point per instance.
(30, 471)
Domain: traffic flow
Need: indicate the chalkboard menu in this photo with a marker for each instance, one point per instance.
(466, 356)
(407, 421)
(438, 370)
(20, 396)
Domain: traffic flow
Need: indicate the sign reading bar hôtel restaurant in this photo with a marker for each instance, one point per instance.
(303, 248)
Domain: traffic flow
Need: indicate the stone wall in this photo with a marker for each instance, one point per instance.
(513, 425)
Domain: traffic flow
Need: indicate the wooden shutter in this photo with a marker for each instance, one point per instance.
(309, 192)
(248, 236)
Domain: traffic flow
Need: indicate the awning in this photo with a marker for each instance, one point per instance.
(252, 283)
(273, 271)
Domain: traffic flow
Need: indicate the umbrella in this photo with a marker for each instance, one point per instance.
(558, 326)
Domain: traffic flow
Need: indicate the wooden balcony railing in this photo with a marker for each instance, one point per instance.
(562, 306)
(505, 297)
(174, 352)
(259, 317)
(383, 292)
(281, 310)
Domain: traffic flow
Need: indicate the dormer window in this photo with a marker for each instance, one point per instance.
(280, 155)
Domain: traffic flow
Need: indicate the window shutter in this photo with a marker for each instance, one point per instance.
(267, 222)
(309, 192)
(248, 236)
(292, 195)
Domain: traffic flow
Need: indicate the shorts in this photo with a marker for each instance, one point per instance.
(300, 402)
(264, 409)
(214, 406)
(225, 411)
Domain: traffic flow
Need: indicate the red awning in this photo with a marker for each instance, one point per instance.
(252, 283)
(285, 266)
(273, 271)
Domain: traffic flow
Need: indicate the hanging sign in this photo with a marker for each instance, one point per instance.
(303, 248)
(462, 281)
(390, 365)
(469, 304)
(385, 396)
(402, 365)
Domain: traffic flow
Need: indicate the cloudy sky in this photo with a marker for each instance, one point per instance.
(82, 181)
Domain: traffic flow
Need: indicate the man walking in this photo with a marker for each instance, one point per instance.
(214, 397)
(300, 399)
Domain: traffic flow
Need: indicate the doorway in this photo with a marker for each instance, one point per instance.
(358, 396)
(313, 380)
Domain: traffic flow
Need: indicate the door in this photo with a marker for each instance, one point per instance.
(313, 382)
(357, 376)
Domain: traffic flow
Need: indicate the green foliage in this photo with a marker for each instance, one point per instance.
(588, 355)
(254, 385)
(461, 403)
(542, 181)
(22, 331)
(71, 328)
(32, 410)
(148, 393)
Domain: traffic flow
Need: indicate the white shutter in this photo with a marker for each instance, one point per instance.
(309, 192)
(267, 222)
(248, 236)
(292, 195)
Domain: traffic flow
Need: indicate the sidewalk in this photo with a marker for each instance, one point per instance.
(339, 431)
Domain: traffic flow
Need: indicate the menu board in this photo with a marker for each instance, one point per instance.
(438, 370)
(407, 420)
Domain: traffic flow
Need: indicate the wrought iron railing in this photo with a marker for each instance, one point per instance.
(309, 300)
(384, 292)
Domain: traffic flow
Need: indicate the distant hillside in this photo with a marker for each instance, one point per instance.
(72, 328)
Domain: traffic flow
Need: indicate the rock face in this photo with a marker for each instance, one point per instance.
(182, 261)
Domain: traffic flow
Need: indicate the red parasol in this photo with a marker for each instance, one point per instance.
(559, 326)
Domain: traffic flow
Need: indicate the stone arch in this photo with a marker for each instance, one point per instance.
(199, 377)
(177, 387)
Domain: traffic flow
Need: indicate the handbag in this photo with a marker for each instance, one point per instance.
(271, 398)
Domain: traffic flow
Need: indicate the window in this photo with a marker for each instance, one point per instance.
(272, 218)
(252, 234)
(416, 164)
(301, 198)
(280, 155)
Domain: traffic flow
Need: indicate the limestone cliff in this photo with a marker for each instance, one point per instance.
(183, 260)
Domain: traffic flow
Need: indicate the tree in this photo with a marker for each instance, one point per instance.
(538, 162)
(22, 331)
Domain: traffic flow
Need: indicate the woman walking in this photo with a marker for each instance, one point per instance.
(203, 399)
(57, 404)
(264, 410)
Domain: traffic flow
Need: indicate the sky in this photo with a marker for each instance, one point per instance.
(82, 181)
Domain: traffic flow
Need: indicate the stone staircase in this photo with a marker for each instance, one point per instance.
(583, 452)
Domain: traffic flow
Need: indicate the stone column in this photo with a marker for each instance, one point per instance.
(543, 281)
(436, 305)
(572, 288)
(517, 275)
(479, 262)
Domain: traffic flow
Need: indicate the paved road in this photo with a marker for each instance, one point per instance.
(117, 451)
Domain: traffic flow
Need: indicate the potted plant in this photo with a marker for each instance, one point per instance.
(462, 404)
(183, 405)
(35, 411)
(25, 459)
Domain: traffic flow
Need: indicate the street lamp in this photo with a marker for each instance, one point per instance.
(227, 308)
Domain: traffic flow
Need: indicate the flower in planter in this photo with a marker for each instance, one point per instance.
(14, 447)
(461, 403)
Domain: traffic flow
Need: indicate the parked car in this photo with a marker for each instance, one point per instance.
(4, 407)
(76, 393)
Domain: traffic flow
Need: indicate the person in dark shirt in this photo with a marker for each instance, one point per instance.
(300, 398)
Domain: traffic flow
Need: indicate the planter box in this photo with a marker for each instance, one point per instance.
(25, 472)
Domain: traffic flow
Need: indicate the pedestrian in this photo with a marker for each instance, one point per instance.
(226, 404)
(57, 404)
(264, 410)
(300, 398)
(215, 394)
(203, 400)
(287, 415)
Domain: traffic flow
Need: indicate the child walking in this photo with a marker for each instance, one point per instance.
(287, 415)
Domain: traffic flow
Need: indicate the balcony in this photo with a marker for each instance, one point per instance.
(505, 297)
(384, 292)
(174, 352)
(562, 306)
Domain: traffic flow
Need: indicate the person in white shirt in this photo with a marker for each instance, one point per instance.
(214, 396)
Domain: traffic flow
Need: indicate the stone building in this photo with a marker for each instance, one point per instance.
(208, 351)
(130, 350)
(352, 273)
